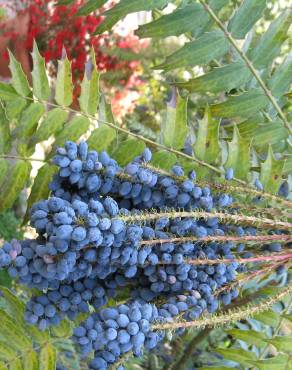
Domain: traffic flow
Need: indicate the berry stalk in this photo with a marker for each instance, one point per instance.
(234, 218)
(230, 316)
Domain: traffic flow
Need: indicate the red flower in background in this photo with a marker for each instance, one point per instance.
(55, 27)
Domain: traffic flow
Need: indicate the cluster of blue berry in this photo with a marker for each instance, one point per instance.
(96, 234)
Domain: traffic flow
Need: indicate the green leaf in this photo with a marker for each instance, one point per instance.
(3, 169)
(13, 333)
(280, 362)
(13, 304)
(125, 7)
(288, 166)
(163, 159)
(281, 78)
(237, 355)
(269, 318)
(244, 105)
(40, 189)
(16, 364)
(41, 88)
(64, 86)
(174, 128)
(269, 134)
(239, 155)
(288, 317)
(30, 361)
(271, 172)
(270, 43)
(65, 2)
(5, 137)
(207, 146)
(64, 330)
(103, 136)
(47, 358)
(249, 336)
(89, 96)
(127, 150)
(14, 108)
(19, 80)
(6, 352)
(51, 125)
(72, 130)
(90, 6)
(7, 92)
(105, 112)
(13, 184)
(245, 17)
(219, 79)
(179, 21)
(216, 5)
(214, 368)
(39, 337)
(29, 120)
(209, 46)
(282, 343)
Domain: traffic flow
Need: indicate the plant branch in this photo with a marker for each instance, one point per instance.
(220, 238)
(225, 186)
(249, 65)
(230, 316)
(234, 218)
(272, 257)
(239, 282)
(29, 159)
(181, 363)
(139, 137)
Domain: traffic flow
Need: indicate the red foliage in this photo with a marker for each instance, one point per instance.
(56, 26)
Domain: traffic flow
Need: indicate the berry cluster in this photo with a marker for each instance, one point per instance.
(104, 228)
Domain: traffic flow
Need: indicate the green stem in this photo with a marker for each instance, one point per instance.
(139, 137)
(249, 65)
(29, 159)
(181, 363)
(234, 218)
